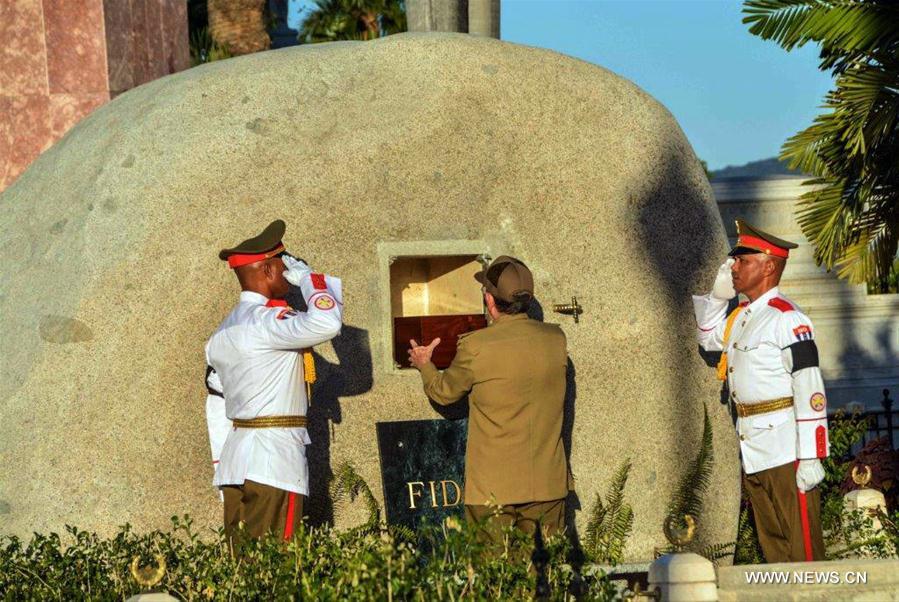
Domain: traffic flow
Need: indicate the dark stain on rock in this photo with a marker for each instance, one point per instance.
(59, 226)
(257, 126)
(244, 100)
(90, 206)
(490, 69)
(110, 205)
(129, 161)
(5, 508)
(60, 329)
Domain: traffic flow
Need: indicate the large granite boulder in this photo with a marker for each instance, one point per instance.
(411, 145)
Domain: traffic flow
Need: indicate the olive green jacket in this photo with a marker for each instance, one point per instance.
(514, 373)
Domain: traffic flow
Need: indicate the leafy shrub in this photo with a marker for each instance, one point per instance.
(320, 564)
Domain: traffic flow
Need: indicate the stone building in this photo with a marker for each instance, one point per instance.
(61, 59)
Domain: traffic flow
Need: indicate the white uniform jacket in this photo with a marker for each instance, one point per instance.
(771, 354)
(256, 358)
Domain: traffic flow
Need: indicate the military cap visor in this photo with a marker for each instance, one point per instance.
(263, 246)
(505, 278)
(752, 240)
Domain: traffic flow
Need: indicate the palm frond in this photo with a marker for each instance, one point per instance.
(844, 26)
(851, 211)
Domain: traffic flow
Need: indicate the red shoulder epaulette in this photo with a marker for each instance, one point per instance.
(781, 304)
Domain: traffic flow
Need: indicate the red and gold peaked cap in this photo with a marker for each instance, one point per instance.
(263, 246)
(752, 240)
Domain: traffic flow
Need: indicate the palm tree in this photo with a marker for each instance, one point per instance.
(851, 210)
(333, 20)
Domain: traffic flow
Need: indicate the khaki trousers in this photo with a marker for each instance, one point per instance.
(492, 520)
(788, 523)
(262, 508)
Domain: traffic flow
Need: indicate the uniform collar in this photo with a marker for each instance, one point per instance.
(763, 299)
(506, 318)
(253, 297)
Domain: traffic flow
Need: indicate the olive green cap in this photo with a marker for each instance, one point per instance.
(753, 240)
(506, 277)
(262, 246)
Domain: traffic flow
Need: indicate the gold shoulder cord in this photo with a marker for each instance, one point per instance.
(308, 373)
(722, 363)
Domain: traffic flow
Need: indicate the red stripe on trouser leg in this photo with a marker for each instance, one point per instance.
(291, 508)
(803, 516)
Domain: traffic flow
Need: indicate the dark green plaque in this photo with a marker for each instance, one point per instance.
(422, 469)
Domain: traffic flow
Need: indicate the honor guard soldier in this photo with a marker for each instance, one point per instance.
(770, 363)
(513, 372)
(256, 408)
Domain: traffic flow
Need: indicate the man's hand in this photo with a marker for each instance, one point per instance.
(296, 270)
(419, 355)
(724, 285)
(809, 474)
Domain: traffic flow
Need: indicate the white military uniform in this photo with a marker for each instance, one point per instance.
(257, 362)
(770, 355)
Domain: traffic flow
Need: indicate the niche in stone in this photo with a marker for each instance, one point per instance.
(434, 296)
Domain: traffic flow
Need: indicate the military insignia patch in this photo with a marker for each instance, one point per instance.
(802, 333)
(818, 402)
(324, 302)
(286, 313)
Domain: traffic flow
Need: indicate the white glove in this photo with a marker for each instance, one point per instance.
(724, 286)
(809, 474)
(296, 270)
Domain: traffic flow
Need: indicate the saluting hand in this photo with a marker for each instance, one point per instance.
(723, 288)
(419, 355)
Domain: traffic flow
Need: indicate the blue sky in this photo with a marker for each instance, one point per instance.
(737, 98)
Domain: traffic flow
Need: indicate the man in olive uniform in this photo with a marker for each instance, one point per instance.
(256, 408)
(514, 374)
(770, 363)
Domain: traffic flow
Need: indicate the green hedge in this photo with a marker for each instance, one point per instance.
(438, 563)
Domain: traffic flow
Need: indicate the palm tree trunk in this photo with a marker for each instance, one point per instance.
(238, 25)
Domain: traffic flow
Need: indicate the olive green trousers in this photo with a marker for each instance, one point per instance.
(262, 509)
(788, 523)
(491, 520)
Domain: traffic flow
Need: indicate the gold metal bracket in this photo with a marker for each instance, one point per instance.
(570, 309)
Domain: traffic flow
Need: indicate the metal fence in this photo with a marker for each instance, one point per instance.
(881, 423)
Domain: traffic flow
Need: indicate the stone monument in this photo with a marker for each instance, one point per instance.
(399, 165)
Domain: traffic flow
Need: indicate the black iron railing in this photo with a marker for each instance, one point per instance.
(881, 423)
